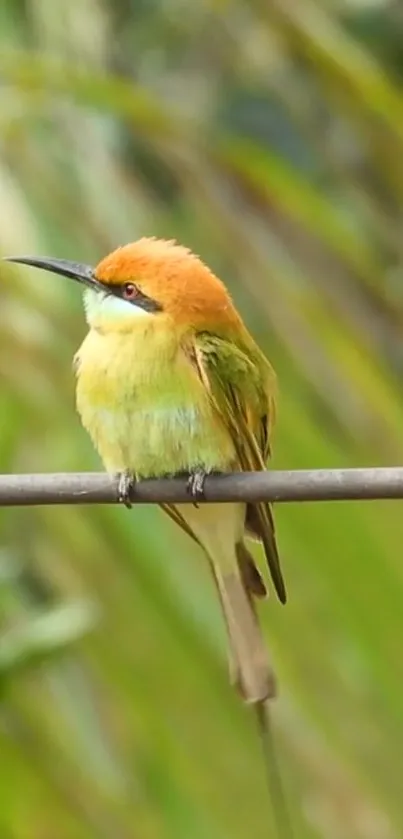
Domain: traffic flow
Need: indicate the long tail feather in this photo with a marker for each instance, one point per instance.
(254, 672)
(251, 577)
(267, 536)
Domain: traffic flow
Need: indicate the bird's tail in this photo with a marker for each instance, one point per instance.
(251, 669)
(250, 574)
(253, 674)
(219, 529)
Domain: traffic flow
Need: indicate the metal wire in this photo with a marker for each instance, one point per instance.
(298, 485)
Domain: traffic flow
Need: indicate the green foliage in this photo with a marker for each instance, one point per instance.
(267, 137)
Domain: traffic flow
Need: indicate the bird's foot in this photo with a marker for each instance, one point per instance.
(126, 484)
(195, 485)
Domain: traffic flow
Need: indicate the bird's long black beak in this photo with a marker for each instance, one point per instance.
(75, 270)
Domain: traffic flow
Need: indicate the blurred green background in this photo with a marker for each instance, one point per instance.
(267, 136)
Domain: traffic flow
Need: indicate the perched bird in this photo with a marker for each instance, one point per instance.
(169, 381)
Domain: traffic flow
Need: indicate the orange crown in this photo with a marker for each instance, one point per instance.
(173, 276)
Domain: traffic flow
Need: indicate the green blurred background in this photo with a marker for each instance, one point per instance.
(267, 136)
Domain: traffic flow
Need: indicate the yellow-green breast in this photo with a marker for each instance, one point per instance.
(144, 406)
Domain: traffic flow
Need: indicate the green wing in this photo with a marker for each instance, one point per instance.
(242, 386)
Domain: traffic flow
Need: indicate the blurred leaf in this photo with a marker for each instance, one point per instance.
(43, 637)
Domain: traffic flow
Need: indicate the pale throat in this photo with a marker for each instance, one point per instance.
(102, 309)
(128, 350)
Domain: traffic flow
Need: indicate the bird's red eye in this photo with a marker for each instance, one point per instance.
(129, 291)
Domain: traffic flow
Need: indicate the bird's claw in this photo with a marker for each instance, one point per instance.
(195, 485)
(126, 484)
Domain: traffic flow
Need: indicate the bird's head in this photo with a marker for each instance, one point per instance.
(150, 278)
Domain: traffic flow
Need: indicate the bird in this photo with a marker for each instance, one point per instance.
(170, 381)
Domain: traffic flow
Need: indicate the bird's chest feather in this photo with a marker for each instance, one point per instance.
(144, 406)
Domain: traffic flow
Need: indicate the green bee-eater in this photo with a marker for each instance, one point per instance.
(169, 380)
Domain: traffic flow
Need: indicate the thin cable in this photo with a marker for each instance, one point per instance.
(297, 485)
(281, 812)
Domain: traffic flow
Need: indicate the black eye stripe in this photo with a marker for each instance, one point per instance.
(146, 303)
